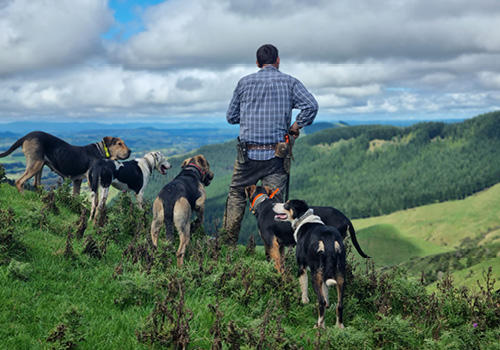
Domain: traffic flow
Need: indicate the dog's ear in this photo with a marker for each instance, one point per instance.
(250, 190)
(186, 162)
(107, 140)
(200, 159)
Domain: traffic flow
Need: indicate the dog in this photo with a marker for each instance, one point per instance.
(276, 234)
(319, 248)
(131, 175)
(178, 199)
(64, 159)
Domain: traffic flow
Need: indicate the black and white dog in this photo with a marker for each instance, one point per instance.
(319, 248)
(132, 175)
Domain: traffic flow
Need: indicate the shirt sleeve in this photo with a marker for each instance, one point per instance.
(305, 101)
(233, 112)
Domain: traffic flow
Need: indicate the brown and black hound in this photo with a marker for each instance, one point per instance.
(177, 201)
(64, 159)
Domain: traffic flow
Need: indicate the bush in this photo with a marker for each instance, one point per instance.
(67, 334)
(2, 173)
(19, 270)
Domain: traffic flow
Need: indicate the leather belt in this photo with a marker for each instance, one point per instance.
(253, 146)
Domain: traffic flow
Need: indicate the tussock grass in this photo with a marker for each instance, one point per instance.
(131, 297)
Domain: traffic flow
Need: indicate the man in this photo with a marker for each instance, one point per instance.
(262, 104)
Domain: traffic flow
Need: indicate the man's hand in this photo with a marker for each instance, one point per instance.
(294, 130)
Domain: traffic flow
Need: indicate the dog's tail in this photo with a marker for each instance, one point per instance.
(354, 240)
(332, 260)
(12, 148)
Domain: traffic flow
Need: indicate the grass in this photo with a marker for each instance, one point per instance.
(469, 277)
(444, 224)
(110, 303)
(387, 246)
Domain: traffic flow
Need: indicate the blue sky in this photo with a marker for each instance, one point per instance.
(128, 19)
(181, 59)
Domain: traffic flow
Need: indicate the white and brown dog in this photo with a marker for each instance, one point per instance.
(132, 175)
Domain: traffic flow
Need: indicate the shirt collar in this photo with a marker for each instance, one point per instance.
(269, 67)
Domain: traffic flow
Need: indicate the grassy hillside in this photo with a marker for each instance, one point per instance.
(459, 236)
(372, 170)
(108, 290)
(447, 224)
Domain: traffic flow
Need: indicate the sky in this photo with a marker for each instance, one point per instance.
(151, 60)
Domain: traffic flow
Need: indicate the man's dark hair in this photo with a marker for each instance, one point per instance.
(267, 54)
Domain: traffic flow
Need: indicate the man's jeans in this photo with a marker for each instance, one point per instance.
(270, 172)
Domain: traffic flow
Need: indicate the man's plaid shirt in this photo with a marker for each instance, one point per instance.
(262, 104)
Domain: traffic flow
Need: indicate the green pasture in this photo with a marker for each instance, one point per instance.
(445, 224)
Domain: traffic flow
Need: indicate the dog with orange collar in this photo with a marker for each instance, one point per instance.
(277, 235)
(179, 198)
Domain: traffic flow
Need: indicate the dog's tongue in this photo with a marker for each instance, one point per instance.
(281, 217)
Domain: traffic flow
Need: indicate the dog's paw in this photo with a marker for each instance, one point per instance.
(305, 300)
(340, 325)
(319, 325)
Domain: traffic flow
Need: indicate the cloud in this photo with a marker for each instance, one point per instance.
(47, 34)
(360, 59)
(183, 32)
(97, 90)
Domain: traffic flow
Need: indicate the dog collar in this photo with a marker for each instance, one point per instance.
(150, 166)
(260, 198)
(307, 218)
(274, 193)
(197, 167)
(106, 151)
(257, 200)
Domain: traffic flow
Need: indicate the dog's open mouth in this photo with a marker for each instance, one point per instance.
(280, 217)
(163, 169)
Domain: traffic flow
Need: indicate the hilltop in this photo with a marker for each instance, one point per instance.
(64, 288)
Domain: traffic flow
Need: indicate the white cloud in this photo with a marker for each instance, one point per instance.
(182, 32)
(50, 33)
(358, 58)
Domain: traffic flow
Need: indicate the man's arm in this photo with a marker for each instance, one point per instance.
(233, 112)
(305, 101)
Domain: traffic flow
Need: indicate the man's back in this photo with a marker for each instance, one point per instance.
(262, 104)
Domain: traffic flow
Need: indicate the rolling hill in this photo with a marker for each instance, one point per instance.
(460, 236)
(371, 170)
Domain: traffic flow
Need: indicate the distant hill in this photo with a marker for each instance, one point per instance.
(318, 126)
(371, 170)
(462, 236)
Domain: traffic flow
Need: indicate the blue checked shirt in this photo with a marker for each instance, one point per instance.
(262, 104)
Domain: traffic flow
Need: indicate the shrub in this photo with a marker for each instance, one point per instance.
(19, 270)
(68, 333)
(2, 173)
